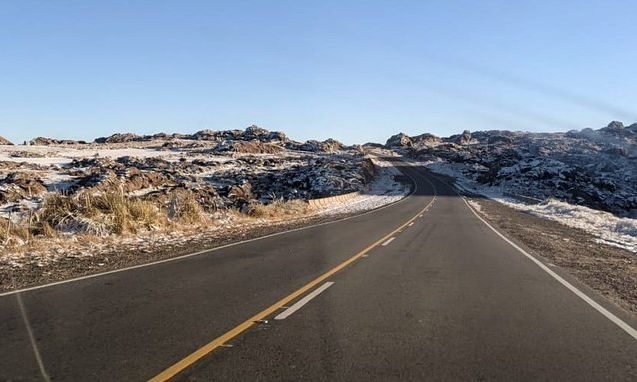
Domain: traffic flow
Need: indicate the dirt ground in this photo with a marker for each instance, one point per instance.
(611, 271)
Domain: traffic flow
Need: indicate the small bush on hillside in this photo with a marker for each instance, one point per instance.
(185, 209)
(278, 208)
(100, 214)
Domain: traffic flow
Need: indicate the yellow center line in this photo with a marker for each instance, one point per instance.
(220, 341)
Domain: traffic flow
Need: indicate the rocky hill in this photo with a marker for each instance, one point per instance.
(595, 168)
(74, 207)
(211, 165)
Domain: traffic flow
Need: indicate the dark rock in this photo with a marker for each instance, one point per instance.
(120, 138)
(328, 146)
(43, 141)
(596, 168)
(399, 140)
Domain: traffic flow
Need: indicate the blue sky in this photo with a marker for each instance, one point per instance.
(354, 70)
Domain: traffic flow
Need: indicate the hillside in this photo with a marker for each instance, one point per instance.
(125, 196)
(593, 168)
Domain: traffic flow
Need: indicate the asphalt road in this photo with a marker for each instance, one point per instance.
(446, 298)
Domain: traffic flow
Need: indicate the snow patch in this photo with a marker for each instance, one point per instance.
(606, 227)
(382, 191)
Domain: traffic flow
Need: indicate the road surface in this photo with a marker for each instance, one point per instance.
(420, 290)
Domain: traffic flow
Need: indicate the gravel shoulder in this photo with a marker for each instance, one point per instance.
(609, 270)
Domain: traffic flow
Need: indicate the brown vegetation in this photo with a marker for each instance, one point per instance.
(101, 213)
(278, 209)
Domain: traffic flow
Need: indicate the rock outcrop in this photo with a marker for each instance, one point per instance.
(43, 141)
(596, 168)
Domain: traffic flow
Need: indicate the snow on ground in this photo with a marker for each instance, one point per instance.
(382, 191)
(114, 153)
(12, 210)
(55, 155)
(58, 182)
(606, 227)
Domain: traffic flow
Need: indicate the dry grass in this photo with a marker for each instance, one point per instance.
(43, 228)
(279, 209)
(10, 233)
(93, 217)
(183, 208)
(100, 213)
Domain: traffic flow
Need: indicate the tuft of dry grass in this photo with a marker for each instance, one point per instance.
(184, 208)
(278, 209)
(95, 215)
(42, 228)
(101, 213)
(11, 233)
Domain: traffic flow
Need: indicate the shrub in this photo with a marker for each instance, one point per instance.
(184, 208)
(278, 208)
(42, 228)
(10, 233)
(100, 213)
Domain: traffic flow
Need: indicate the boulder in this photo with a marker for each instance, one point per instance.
(119, 138)
(425, 140)
(614, 126)
(462, 139)
(43, 141)
(249, 147)
(255, 132)
(327, 146)
(399, 140)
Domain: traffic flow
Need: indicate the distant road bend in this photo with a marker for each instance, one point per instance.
(423, 289)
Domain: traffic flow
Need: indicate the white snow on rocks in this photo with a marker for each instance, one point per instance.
(593, 168)
(382, 191)
(608, 228)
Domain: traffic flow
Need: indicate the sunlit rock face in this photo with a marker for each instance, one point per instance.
(592, 167)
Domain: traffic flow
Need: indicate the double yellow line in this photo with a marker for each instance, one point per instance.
(219, 341)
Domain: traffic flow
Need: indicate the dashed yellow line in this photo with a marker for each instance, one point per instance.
(220, 341)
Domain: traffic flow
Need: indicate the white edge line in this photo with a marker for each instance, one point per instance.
(34, 344)
(388, 241)
(616, 320)
(80, 278)
(299, 304)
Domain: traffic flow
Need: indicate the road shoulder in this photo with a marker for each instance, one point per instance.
(610, 271)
